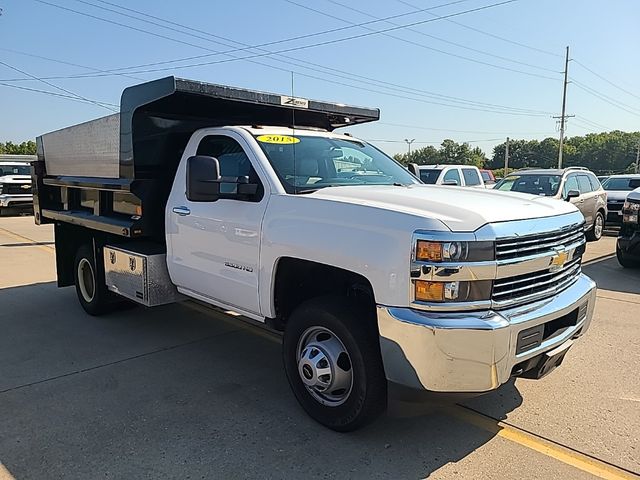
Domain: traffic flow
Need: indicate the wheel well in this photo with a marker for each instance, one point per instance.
(68, 239)
(300, 280)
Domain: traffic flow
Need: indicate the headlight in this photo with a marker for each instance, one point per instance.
(630, 212)
(427, 291)
(429, 251)
(631, 207)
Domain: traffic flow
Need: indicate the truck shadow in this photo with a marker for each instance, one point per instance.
(609, 275)
(174, 392)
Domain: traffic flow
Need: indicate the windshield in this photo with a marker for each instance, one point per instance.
(429, 175)
(15, 170)
(624, 184)
(546, 185)
(329, 162)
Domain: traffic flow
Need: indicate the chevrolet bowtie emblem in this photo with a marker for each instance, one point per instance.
(558, 260)
(25, 187)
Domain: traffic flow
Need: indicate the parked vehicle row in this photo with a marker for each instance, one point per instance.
(15, 184)
(382, 286)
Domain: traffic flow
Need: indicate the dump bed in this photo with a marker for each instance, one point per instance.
(114, 173)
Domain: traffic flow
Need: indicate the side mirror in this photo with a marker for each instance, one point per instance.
(203, 179)
(450, 183)
(572, 194)
(413, 168)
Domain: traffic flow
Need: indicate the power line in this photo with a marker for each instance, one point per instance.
(401, 125)
(301, 47)
(424, 34)
(603, 97)
(592, 123)
(54, 94)
(62, 62)
(99, 104)
(298, 62)
(605, 79)
(492, 35)
(488, 107)
(431, 143)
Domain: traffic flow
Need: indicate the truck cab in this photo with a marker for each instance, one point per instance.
(383, 287)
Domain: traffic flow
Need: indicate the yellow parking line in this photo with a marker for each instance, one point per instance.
(546, 447)
(21, 238)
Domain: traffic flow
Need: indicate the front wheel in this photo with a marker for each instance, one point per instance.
(332, 360)
(598, 228)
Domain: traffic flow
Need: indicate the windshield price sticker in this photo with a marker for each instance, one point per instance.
(280, 139)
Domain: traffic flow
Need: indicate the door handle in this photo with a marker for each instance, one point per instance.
(182, 211)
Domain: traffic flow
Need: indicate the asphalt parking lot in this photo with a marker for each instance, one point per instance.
(181, 392)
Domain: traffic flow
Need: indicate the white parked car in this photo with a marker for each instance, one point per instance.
(452, 175)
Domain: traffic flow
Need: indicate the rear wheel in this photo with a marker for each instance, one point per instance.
(332, 359)
(90, 285)
(598, 228)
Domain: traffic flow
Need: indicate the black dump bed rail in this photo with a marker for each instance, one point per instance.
(114, 173)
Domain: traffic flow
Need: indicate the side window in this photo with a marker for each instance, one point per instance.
(471, 177)
(452, 175)
(584, 184)
(595, 183)
(234, 162)
(570, 184)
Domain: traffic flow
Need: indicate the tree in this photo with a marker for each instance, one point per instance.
(450, 152)
(24, 148)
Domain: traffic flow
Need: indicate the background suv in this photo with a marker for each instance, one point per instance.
(576, 185)
(618, 187)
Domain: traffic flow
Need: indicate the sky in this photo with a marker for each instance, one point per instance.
(476, 75)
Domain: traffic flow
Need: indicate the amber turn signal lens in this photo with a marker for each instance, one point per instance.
(429, 291)
(428, 251)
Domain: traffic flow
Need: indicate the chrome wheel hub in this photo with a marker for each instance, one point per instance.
(86, 280)
(599, 226)
(324, 366)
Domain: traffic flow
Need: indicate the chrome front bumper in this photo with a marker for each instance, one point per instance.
(473, 351)
(8, 200)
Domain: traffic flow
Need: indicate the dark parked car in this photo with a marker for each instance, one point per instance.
(574, 184)
(618, 187)
(628, 245)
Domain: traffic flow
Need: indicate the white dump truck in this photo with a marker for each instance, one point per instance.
(250, 202)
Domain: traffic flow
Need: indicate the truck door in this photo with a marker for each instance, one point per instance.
(213, 247)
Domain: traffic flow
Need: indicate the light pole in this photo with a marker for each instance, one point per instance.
(409, 142)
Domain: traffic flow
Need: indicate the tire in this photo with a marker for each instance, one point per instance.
(597, 229)
(90, 285)
(329, 342)
(625, 262)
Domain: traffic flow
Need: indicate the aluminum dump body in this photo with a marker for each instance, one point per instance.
(114, 173)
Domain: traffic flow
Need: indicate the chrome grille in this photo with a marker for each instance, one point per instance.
(519, 289)
(536, 244)
(17, 188)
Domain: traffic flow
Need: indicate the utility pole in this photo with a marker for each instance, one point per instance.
(563, 116)
(506, 158)
(638, 159)
(409, 142)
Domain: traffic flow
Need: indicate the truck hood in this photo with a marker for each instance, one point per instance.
(15, 179)
(460, 209)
